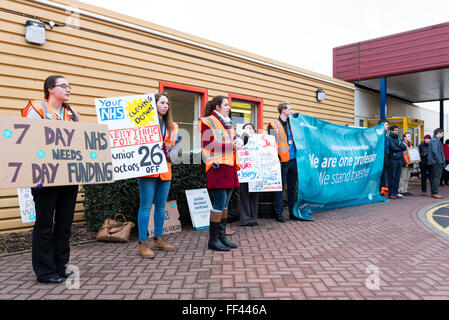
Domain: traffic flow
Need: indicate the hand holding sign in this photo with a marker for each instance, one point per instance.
(135, 135)
(53, 153)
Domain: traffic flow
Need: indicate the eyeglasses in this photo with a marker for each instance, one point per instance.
(64, 86)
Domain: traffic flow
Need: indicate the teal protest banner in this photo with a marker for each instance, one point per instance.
(337, 166)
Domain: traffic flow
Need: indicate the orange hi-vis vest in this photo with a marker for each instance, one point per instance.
(281, 139)
(406, 156)
(46, 112)
(169, 141)
(220, 134)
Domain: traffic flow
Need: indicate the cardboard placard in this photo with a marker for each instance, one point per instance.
(26, 204)
(171, 220)
(36, 152)
(134, 135)
(199, 207)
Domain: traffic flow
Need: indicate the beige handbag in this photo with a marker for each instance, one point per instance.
(116, 231)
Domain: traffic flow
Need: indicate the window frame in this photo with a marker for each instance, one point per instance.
(259, 107)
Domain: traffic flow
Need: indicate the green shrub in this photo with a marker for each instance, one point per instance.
(103, 201)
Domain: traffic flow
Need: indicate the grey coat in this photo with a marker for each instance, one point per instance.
(436, 153)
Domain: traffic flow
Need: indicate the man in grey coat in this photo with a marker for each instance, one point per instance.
(435, 159)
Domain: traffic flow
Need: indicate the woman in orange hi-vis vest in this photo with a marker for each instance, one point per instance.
(55, 206)
(155, 188)
(222, 163)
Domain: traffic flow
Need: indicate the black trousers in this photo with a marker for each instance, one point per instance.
(55, 207)
(249, 205)
(394, 175)
(425, 174)
(289, 179)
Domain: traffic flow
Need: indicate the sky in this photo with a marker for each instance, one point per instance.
(297, 32)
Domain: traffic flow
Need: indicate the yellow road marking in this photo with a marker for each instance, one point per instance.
(429, 216)
(437, 215)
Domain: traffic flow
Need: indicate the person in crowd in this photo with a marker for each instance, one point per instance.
(445, 175)
(155, 188)
(218, 142)
(395, 155)
(425, 169)
(55, 206)
(384, 176)
(249, 201)
(407, 165)
(281, 130)
(435, 159)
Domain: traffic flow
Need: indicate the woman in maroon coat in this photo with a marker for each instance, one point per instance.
(219, 150)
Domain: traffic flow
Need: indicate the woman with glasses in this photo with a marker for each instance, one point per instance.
(55, 206)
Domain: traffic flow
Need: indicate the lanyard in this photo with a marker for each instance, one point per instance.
(163, 130)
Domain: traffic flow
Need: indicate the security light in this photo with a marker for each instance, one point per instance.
(320, 94)
(35, 32)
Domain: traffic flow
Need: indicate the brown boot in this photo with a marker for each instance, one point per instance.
(161, 245)
(144, 250)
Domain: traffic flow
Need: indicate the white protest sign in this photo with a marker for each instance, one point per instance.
(414, 155)
(26, 203)
(249, 161)
(199, 207)
(260, 164)
(135, 135)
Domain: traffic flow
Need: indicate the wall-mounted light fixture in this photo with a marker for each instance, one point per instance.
(35, 32)
(320, 94)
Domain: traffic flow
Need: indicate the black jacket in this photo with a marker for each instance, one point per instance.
(396, 147)
(423, 151)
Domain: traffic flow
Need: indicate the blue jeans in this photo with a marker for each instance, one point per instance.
(289, 178)
(221, 198)
(152, 190)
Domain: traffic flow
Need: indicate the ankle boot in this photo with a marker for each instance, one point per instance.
(161, 245)
(214, 242)
(222, 234)
(144, 250)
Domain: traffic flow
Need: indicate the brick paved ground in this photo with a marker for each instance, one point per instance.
(324, 259)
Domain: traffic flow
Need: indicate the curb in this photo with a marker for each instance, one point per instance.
(422, 216)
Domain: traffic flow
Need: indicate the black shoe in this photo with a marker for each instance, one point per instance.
(280, 218)
(215, 243)
(65, 274)
(51, 279)
(222, 235)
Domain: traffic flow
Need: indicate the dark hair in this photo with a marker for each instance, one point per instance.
(437, 130)
(403, 136)
(392, 128)
(383, 121)
(49, 83)
(446, 142)
(167, 118)
(212, 105)
(283, 106)
(249, 124)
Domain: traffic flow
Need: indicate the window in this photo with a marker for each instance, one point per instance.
(187, 104)
(246, 109)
